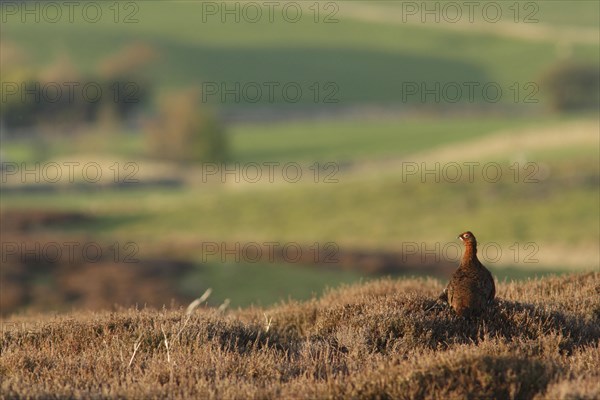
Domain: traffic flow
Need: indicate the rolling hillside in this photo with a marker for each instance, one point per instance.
(367, 57)
(378, 165)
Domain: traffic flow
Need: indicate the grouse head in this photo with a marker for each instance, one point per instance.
(468, 238)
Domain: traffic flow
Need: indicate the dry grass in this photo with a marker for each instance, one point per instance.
(377, 340)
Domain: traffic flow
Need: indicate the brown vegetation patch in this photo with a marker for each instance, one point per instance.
(44, 266)
(27, 220)
(386, 339)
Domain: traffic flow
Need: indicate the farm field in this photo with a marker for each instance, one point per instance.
(552, 230)
(301, 211)
(369, 60)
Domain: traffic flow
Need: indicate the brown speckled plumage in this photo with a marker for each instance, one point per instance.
(471, 288)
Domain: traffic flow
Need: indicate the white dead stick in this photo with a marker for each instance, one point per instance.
(136, 346)
(192, 307)
(268, 322)
(166, 345)
(224, 306)
(194, 304)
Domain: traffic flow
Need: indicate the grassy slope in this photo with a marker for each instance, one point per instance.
(262, 284)
(345, 141)
(352, 141)
(382, 339)
(502, 212)
(336, 213)
(323, 141)
(368, 60)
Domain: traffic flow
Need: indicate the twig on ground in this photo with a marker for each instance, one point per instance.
(166, 345)
(192, 307)
(224, 306)
(136, 346)
(268, 322)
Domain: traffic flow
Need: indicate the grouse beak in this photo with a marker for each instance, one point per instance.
(460, 237)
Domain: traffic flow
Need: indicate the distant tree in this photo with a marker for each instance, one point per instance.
(38, 98)
(185, 131)
(54, 101)
(123, 75)
(572, 86)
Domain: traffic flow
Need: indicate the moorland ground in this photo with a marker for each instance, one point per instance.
(384, 339)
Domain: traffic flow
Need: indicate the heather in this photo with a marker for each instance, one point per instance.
(384, 339)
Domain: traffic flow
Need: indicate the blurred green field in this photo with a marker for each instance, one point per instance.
(367, 59)
(306, 141)
(368, 56)
(352, 141)
(377, 208)
(246, 284)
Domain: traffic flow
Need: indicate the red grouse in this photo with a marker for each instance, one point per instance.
(471, 288)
